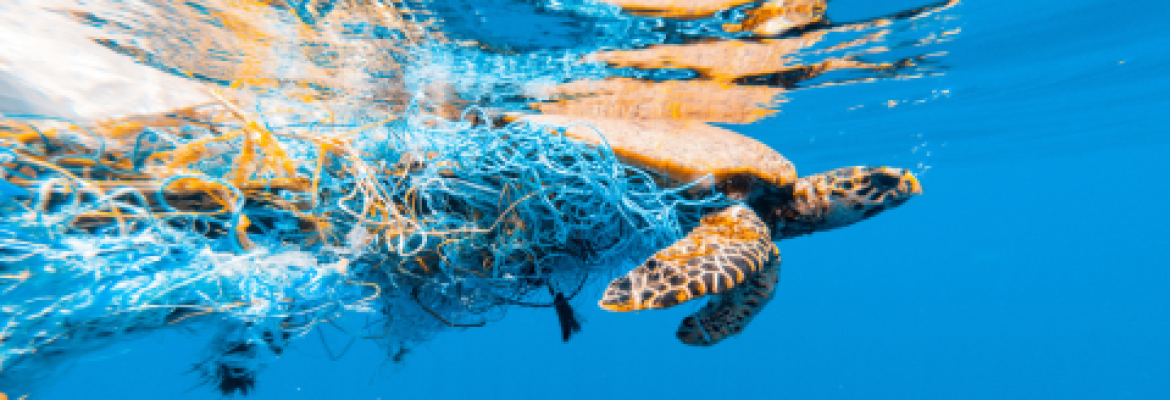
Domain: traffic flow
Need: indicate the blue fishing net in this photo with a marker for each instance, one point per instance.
(264, 230)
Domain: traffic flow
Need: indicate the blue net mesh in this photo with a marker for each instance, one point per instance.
(267, 230)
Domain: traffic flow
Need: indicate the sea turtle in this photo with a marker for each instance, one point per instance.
(731, 253)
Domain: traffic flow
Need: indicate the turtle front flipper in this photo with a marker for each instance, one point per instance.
(730, 314)
(726, 248)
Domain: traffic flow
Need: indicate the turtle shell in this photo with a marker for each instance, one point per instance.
(682, 150)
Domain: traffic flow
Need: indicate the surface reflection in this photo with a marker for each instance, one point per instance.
(738, 80)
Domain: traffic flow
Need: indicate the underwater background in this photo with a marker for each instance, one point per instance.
(1032, 267)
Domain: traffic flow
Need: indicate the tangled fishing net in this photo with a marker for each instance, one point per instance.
(266, 229)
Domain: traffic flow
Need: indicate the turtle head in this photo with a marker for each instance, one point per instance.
(841, 197)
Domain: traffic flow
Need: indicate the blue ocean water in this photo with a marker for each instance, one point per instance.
(1032, 267)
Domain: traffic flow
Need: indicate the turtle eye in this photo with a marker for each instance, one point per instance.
(885, 180)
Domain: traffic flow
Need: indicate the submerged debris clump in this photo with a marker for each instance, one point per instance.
(208, 216)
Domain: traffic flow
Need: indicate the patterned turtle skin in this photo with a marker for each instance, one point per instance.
(819, 202)
(731, 312)
(731, 253)
(728, 247)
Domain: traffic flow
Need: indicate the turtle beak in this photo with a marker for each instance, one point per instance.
(911, 183)
(902, 181)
